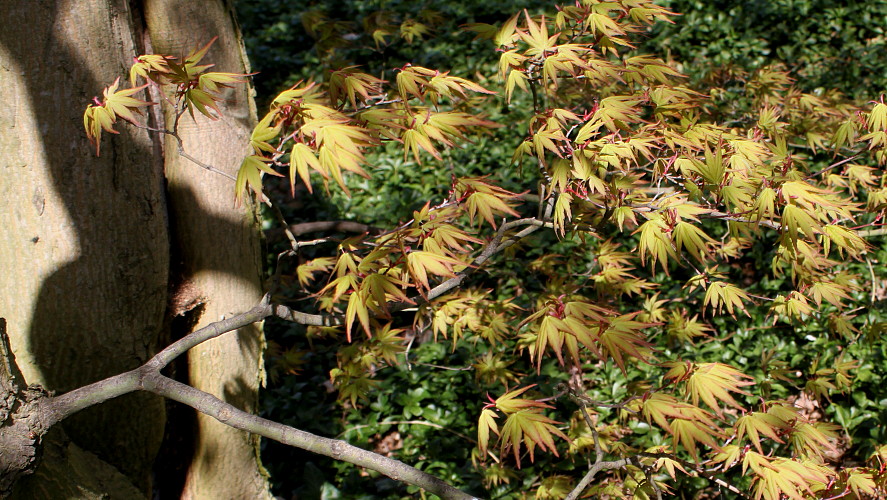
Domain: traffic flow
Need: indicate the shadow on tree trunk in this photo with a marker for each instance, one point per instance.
(95, 245)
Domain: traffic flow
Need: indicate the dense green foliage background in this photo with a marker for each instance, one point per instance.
(825, 44)
(432, 409)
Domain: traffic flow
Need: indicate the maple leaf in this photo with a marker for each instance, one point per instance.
(555, 487)
(532, 428)
(552, 332)
(203, 101)
(357, 308)
(562, 212)
(410, 30)
(410, 81)
(814, 439)
(415, 140)
(215, 82)
(510, 403)
(729, 455)
(612, 112)
(421, 263)
(690, 433)
(305, 272)
(250, 175)
(782, 476)
(264, 132)
(537, 37)
(485, 199)
(845, 240)
(484, 31)
(486, 423)
(388, 342)
(452, 239)
(196, 55)
(351, 385)
(655, 243)
(150, 67)
(348, 83)
(692, 240)
(670, 465)
(116, 103)
(450, 86)
(688, 424)
(488, 206)
(829, 291)
(794, 306)
(623, 337)
(860, 482)
(510, 60)
(507, 32)
(686, 329)
(651, 68)
(796, 220)
(516, 78)
(302, 157)
(756, 423)
(877, 119)
(719, 294)
(713, 382)
(383, 288)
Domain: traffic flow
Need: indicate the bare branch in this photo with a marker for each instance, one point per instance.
(148, 378)
(342, 226)
(200, 164)
(333, 448)
(288, 314)
(495, 246)
(589, 476)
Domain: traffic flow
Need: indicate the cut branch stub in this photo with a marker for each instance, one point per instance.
(21, 427)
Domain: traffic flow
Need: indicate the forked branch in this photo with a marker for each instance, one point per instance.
(49, 411)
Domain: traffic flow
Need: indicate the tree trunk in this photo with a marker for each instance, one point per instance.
(218, 245)
(86, 247)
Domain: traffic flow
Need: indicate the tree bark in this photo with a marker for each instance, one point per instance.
(87, 246)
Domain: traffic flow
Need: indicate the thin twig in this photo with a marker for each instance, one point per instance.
(832, 166)
(409, 422)
(311, 243)
(278, 269)
(696, 468)
(648, 474)
(200, 164)
(873, 281)
(871, 232)
(343, 226)
(450, 368)
(280, 218)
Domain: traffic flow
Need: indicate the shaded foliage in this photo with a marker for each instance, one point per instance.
(825, 45)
